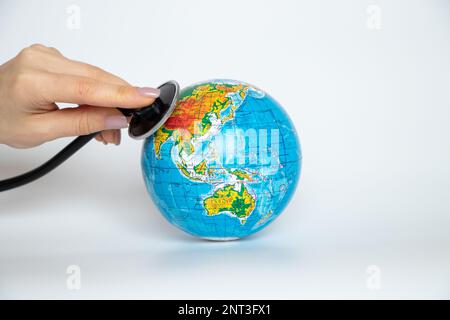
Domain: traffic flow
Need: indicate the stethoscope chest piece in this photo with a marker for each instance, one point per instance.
(146, 121)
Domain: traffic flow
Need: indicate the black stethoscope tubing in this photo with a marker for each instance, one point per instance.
(48, 166)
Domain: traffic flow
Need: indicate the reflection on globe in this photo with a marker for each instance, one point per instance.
(225, 164)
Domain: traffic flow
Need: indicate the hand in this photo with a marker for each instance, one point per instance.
(38, 77)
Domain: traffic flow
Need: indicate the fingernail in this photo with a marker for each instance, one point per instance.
(148, 92)
(116, 122)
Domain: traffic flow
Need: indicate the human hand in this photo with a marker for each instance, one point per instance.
(38, 77)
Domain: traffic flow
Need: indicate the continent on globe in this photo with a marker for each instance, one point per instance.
(198, 110)
(235, 200)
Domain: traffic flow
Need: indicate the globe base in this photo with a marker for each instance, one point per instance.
(220, 239)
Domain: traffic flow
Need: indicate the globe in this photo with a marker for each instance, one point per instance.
(225, 164)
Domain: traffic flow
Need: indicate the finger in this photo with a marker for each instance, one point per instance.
(78, 121)
(84, 90)
(82, 69)
(111, 136)
(62, 65)
(117, 137)
(45, 49)
(100, 138)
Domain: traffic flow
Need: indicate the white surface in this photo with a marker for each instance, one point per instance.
(372, 109)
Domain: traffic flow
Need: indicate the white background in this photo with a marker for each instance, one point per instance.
(372, 110)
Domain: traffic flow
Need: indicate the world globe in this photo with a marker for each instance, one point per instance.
(225, 164)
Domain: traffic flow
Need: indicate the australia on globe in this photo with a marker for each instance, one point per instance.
(226, 162)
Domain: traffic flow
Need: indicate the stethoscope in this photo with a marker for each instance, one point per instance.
(143, 123)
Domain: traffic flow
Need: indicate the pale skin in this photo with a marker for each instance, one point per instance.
(39, 77)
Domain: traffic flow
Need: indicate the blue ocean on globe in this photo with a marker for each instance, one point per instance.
(225, 164)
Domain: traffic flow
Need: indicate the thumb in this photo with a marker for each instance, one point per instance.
(80, 121)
